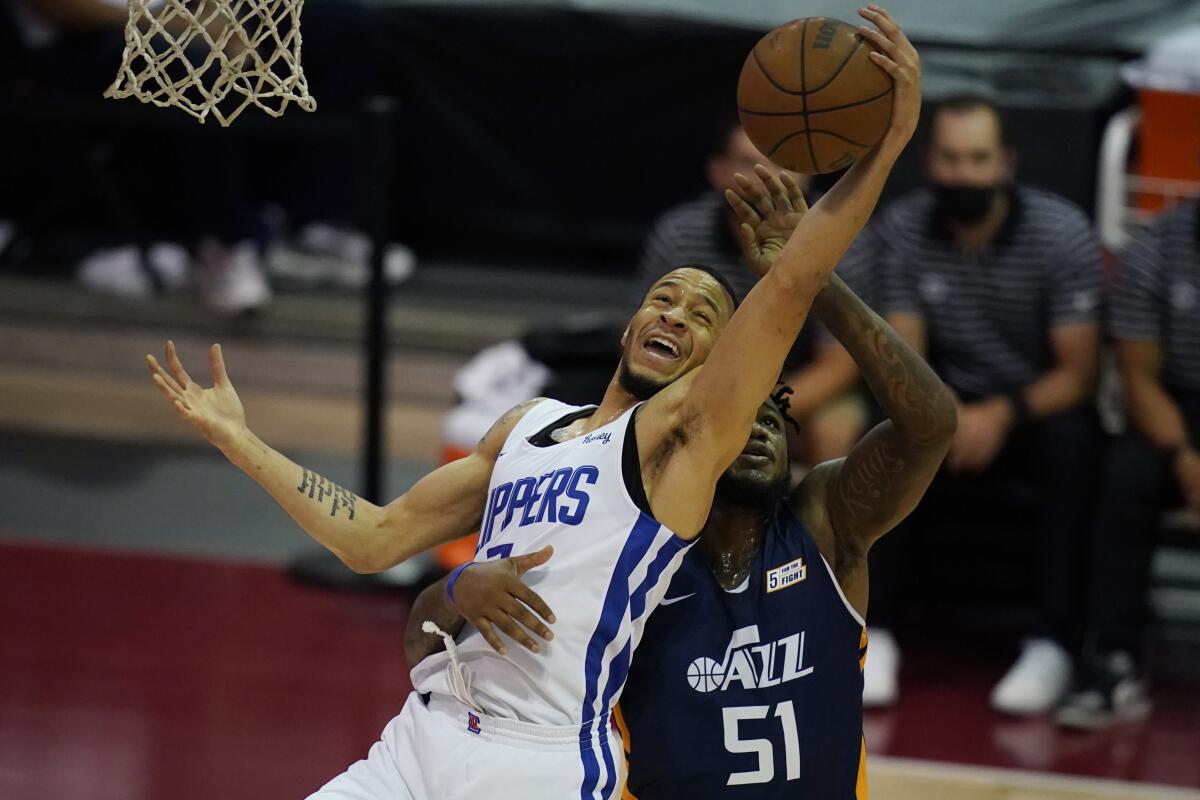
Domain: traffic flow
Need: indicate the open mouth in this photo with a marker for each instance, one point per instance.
(661, 347)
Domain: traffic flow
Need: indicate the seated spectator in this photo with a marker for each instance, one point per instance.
(999, 285)
(1154, 322)
(830, 409)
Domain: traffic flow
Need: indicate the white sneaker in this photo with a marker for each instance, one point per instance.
(326, 254)
(1036, 682)
(171, 265)
(116, 271)
(881, 673)
(231, 280)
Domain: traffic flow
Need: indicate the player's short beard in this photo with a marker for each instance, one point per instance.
(638, 386)
(746, 492)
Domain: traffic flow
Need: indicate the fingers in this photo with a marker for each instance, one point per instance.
(172, 395)
(530, 598)
(519, 613)
(757, 196)
(176, 366)
(156, 371)
(528, 561)
(490, 635)
(889, 66)
(749, 240)
(775, 187)
(795, 194)
(216, 363)
(880, 42)
(742, 209)
(886, 25)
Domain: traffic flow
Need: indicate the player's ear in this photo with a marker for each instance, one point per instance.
(624, 337)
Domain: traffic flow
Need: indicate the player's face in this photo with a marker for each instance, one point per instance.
(966, 150)
(760, 475)
(674, 330)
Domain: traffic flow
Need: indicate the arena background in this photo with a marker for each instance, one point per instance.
(152, 643)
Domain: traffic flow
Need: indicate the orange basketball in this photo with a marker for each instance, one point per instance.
(811, 98)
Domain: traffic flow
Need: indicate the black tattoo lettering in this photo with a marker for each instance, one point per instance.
(318, 488)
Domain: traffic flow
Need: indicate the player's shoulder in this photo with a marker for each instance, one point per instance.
(493, 441)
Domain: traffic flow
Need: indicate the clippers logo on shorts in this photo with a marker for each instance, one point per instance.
(750, 664)
(789, 574)
(555, 497)
(473, 724)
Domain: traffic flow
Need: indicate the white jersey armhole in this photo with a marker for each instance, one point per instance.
(837, 585)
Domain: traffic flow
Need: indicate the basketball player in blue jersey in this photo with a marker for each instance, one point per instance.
(619, 490)
(748, 680)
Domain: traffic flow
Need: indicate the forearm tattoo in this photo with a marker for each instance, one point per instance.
(318, 488)
(890, 468)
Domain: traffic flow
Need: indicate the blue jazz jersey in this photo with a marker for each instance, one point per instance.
(749, 693)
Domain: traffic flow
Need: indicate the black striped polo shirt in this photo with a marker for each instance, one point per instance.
(988, 314)
(1155, 293)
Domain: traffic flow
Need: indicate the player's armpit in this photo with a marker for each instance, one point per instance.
(444, 504)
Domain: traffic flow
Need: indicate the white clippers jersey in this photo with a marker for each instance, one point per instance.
(610, 568)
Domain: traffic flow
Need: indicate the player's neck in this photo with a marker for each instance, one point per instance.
(615, 403)
(730, 540)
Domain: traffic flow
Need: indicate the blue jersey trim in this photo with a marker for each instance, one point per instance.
(617, 673)
(637, 603)
(616, 602)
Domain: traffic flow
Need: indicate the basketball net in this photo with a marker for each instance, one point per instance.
(214, 57)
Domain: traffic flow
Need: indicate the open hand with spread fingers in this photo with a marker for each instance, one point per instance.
(896, 56)
(767, 215)
(216, 412)
(491, 595)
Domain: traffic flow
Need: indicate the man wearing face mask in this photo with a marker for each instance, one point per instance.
(999, 285)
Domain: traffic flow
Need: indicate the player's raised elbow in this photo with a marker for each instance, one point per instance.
(943, 417)
(931, 421)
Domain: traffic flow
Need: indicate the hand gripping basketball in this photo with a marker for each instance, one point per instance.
(895, 54)
(768, 216)
(491, 595)
(216, 412)
(816, 94)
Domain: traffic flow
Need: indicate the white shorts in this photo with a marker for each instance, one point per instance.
(442, 751)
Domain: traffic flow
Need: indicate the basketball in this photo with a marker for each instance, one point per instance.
(810, 97)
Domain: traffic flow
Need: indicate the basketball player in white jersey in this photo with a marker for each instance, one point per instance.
(619, 490)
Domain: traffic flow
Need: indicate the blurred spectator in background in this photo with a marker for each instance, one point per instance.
(1154, 319)
(999, 284)
(826, 401)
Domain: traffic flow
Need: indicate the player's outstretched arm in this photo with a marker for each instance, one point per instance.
(366, 537)
(492, 597)
(713, 409)
(862, 496)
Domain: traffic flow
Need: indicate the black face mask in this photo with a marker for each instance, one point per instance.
(963, 204)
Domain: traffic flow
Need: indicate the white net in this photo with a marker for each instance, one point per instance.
(214, 57)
